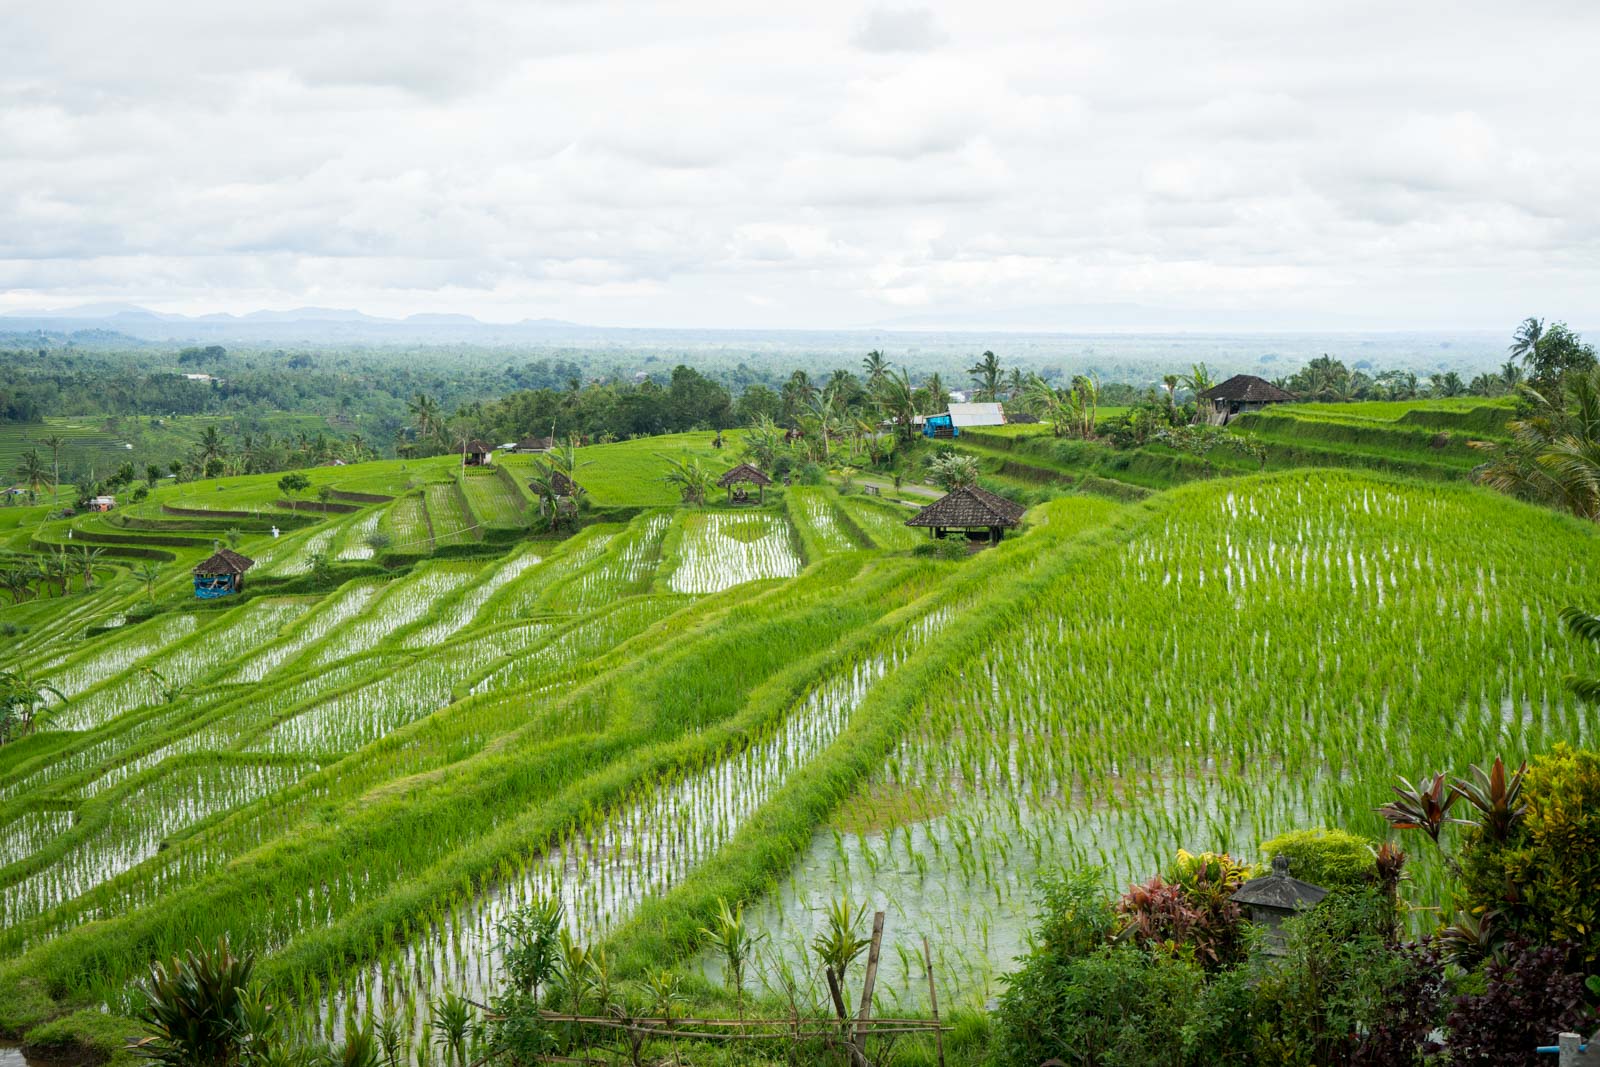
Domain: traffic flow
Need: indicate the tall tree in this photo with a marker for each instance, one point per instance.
(986, 375)
(1554, 454)
(424, 410)
(54, 443)
(875, 366)
(896, 399)
(32, 471)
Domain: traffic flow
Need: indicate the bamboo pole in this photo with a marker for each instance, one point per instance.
(871, 980)
(933, 1001)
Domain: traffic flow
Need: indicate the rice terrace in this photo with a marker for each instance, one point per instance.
(389, 727)
(892, 533)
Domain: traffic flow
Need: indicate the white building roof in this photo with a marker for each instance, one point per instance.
(977, 415)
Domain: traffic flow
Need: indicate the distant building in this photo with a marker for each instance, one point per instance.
(532, 444)
(963, 416)
(102, 503)
(477, 454)
(1240, 394)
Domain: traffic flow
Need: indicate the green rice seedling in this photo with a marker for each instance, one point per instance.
(719, 550)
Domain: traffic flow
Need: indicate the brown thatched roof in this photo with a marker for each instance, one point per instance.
(479, 447)
(563, 485)
(536, 444)
(969, 507)
(744, 472)
(225, 561)
(1247, 389)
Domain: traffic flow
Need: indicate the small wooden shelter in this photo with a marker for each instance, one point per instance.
(534, 445)
(1272, 898)
(744, 474)
(1237, 395)
(476, 453)
(977, 512)
(221, 575)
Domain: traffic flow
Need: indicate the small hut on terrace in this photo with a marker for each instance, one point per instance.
(534, 445)
(1239, 394)
(977, 512)
(476, 453)
(221, 575)
(742, 475)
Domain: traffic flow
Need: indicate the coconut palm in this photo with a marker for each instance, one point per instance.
(54, 443)
(1554, 454)
(425, 410)
(822, 410)
(986, 376)
(875, 366)
(1525, 342)
(211, 446)
(17, 580)
(896, 400)
(32, 472)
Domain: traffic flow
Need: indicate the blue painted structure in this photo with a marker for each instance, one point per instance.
(211, 586)
(932, 424)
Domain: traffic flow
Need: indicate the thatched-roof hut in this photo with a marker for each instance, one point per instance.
(744, 474)
(970, 509)
(476, 453)
(1241, 393)
(534, 445)
(222, 574)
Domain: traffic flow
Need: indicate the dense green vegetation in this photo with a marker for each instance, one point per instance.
(465, 735)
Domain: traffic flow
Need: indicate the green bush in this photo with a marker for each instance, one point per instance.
(942, 548)
(1542, 881)
(1333, 859)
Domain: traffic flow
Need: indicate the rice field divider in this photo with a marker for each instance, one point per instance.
(200, 906)
(92, 818)
(190, 660)
(766, 846)
(759, 734)
(813, 512)
(627, 564)
(399, 743)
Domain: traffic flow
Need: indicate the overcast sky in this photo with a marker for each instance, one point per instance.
(818, 164)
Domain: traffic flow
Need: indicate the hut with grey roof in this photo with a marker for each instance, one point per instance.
(1240, 394)
(976, 512)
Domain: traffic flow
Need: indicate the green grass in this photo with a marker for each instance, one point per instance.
(633, 473)
(348, 779)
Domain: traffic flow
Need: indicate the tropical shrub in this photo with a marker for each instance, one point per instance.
(200, 1010)
(1333, 859)
(1193, 913)
(1540, 882)
(1526, 1001)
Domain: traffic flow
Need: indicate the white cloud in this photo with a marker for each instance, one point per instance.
(707, 163)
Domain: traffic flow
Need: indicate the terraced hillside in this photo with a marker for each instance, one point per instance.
(777, 705)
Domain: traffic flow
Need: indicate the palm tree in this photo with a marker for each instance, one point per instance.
(938, 395)
(148, 573)
(23, 704)
(1511, 374)
(876, 366)
(822, 411)
(425, 410)
(1525, 342)
(1199, 380)
(32, 471)
(986, 376)
(210, 446)
(1554, 454)
(691, 478)
(54, 443)
(897, 400)
(1016, 381)
(1170, 383)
